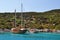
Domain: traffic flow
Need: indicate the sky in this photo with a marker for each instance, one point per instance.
(29, 5)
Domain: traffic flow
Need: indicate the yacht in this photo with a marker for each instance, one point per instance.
(19, 30)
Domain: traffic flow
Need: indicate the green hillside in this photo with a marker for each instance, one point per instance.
(49, 19)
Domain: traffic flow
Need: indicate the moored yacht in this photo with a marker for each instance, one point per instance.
(21, 29)
(18, 31)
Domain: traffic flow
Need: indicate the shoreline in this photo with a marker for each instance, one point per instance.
(38, 30)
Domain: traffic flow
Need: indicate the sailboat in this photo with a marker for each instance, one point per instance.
(19, 30)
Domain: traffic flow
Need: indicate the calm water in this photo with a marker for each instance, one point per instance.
(38, 36)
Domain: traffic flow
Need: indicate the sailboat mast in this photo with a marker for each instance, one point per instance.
(15, 18)
(21, 14)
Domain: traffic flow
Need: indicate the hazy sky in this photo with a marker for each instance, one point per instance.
(29, 5)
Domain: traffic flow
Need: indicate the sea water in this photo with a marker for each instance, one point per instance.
(30, 36)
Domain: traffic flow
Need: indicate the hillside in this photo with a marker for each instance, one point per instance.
(49, 19)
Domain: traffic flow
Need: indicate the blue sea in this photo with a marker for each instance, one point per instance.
(30, 36)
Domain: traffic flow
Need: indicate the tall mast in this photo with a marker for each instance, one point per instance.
(21, 14)
(15, 19)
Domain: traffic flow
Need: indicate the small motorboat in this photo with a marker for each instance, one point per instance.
(33, 31)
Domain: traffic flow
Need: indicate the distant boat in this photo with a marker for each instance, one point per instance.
(19, 30)
(33, 31)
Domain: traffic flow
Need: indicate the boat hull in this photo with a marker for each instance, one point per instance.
(16, 31)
